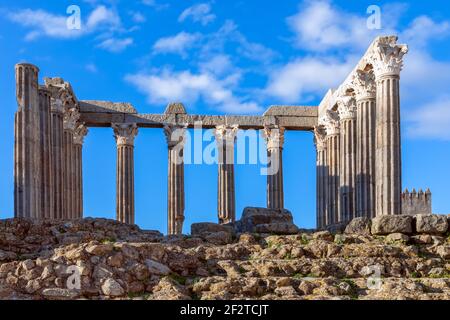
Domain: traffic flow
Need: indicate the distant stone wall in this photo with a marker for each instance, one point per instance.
(416, 202)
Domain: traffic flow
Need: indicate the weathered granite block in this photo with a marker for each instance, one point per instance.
(359, 225)
(391, 224)
(208, 227)
(263, 220)
(431, 223)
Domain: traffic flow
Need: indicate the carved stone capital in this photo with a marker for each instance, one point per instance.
(331, 123)
(320, 135)
(387, 57)
(56, 105)
(71, 117)
(125, 133)
(226, 133)
(175, 135)
(364, 84)
(274, 137)
(346, 108)
(80, 132)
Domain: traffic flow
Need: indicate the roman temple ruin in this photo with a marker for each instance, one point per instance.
(356, 132)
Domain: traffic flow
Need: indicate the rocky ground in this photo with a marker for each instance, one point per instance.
(42, 260)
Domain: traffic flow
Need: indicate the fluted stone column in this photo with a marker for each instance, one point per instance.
(57, 156)
(365, 92)
(347, 124)
(226, 201)
(333, 163)
(78, 139)
(321, 176)
(71, 116)
(274, 137)
(125, 134)
(46, 167)
(387, 63)
(26, 143)
(175, 193)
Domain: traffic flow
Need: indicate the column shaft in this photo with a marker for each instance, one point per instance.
(45, 156)
(175, 136)
(27, 144)
(388, 149)
(274, 137)
(226, 201)
(125, 134)
(365, 155)
(348, 169)
(333, 159)
(57, 156)
(321, 177)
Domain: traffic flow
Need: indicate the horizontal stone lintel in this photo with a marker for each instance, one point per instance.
(103, 114)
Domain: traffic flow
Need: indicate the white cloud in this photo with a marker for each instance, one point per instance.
(423, 29)
(43, 23)
(102, 16)
(156, 5)
(176, 44)
(116, 45)
(137, 17)
(296, 81)
(320, 26)
(431, 120)
(198, 13)
(163, 86)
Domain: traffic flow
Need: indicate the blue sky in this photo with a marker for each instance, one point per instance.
(225, 57)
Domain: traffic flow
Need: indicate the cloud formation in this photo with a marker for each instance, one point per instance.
(198, 13)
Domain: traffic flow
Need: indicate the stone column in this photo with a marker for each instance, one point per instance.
(347, 124)
(175, 136)
(387, 63)
(26, 143)
(78, 139)
(321, 176)
(46, 179)
(125, 134)
(274, 137)
(226, 202)
(57, 156)
(333, 161)
(71, 116)
(365, 92)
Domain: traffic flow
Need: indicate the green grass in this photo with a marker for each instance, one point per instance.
(298, 276)
(179, 279)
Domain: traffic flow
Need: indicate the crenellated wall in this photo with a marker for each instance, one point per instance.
(416, 202)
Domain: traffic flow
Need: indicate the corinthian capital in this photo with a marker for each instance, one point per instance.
(331, 123)
(80, 132)
(175, 135)
(364, 84)
(226, 132)
(125, 133)
(346, 107)
(71, 117)
(387, 56)
(274, 136)
(56, 105)
(320, 136)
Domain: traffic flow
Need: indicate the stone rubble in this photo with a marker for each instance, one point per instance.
(111, 260)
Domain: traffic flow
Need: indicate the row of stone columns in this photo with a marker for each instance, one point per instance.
(47, 159)
(361, 173)
(175, 137)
